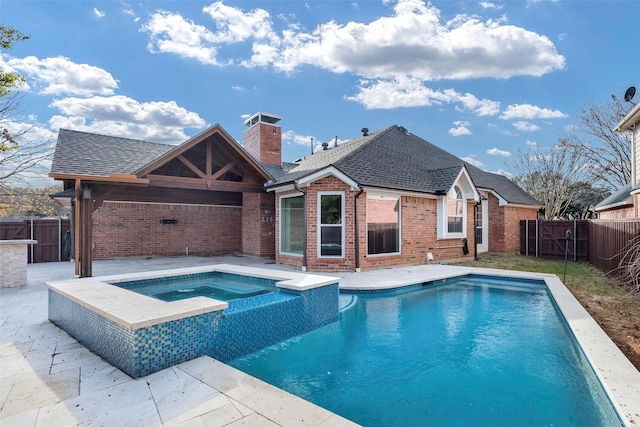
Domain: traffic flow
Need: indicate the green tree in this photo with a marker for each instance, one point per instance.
(9, 81)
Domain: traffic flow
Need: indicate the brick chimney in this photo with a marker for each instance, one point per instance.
(263, 139)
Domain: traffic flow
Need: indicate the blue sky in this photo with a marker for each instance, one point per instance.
(479, 79)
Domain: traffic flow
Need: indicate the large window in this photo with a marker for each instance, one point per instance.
(455, 212)
(292, 225)
(383, 225)
(330, 213)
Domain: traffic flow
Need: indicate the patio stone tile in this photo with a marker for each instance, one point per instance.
(40, 391)
(286, 409)
(23, 419)
(127, 404)
(100, 375)
(226, 414)
(181, 397)
(253, 420)
(230, 381)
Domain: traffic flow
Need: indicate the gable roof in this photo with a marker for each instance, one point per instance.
(83, 153)
(396, 159)
(617, 199)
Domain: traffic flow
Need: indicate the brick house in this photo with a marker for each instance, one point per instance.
(384, 199)
(387, 198)
(624, 203)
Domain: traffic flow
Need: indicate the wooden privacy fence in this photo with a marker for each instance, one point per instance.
(548, 239)
(601, 242)
(53, 236)
(608, 240)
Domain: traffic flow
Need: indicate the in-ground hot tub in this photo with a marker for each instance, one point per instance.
(142, 335)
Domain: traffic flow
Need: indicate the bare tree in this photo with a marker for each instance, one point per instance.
(553, 176)
(25, 150)
(608, 152)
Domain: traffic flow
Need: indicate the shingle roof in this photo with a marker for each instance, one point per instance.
(395, 159)
(82, 153)
(617, 198)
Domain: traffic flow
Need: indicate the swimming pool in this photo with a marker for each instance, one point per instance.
(468, 351)
(215, 284)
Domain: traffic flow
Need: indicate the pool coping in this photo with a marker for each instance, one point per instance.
(133, 310)
(619, 378)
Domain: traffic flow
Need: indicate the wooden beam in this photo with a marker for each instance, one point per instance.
(223, 170)
(200, 184)
(191, 166)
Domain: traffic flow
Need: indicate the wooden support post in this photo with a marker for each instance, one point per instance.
(76, 227)
(86, 212)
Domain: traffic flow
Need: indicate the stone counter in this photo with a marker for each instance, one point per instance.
(13, 262)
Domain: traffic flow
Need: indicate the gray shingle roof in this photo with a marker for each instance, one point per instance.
(82, 153)
(617, 198)
(395, 159)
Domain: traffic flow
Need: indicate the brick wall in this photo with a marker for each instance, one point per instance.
(418, 225)
(258, 224)
(629, 212)
(264, 142)
(122, 229)
(504, 225)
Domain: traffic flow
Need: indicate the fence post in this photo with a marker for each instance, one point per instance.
(575, 241)
(31, 244)
(537, 237)
(526, 237)
(59, 239)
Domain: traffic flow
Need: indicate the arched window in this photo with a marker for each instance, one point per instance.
(455, 212)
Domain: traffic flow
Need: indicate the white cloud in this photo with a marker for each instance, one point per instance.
(532, 143)
(473, 161)
(98, 13)
(291, 137)
(489, 5)
(412, 41)
(503, 173)
(525, 126)
(528, 111)
(171, 33)
(459, 131)
(126, 117)
(497, 152)
(407, 92)
(61, 76)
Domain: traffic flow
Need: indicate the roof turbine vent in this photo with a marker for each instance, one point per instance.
(404, 130)
(365, 131)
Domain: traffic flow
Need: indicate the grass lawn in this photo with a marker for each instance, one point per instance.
(616, 309)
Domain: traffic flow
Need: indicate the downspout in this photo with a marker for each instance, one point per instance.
(304, 226)
(357, 234)
(475, 229)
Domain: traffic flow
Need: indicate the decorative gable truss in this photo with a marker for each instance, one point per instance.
(210, 161)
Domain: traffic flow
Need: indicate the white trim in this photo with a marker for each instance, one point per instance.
(319, 225)
(384, 195)
(323, 173)
(484, 206)
(466, 186)
(171, 204)
(279, 242)
(281, 189)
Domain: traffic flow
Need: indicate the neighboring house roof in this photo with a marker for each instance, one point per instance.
(83, 153)
(617, 199)
(396, 159)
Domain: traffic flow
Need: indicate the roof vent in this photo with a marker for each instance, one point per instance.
(325, 145)
(365, 131)
(404, 130)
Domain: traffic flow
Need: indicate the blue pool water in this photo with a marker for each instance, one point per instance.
(474, 351)
(217, 285)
